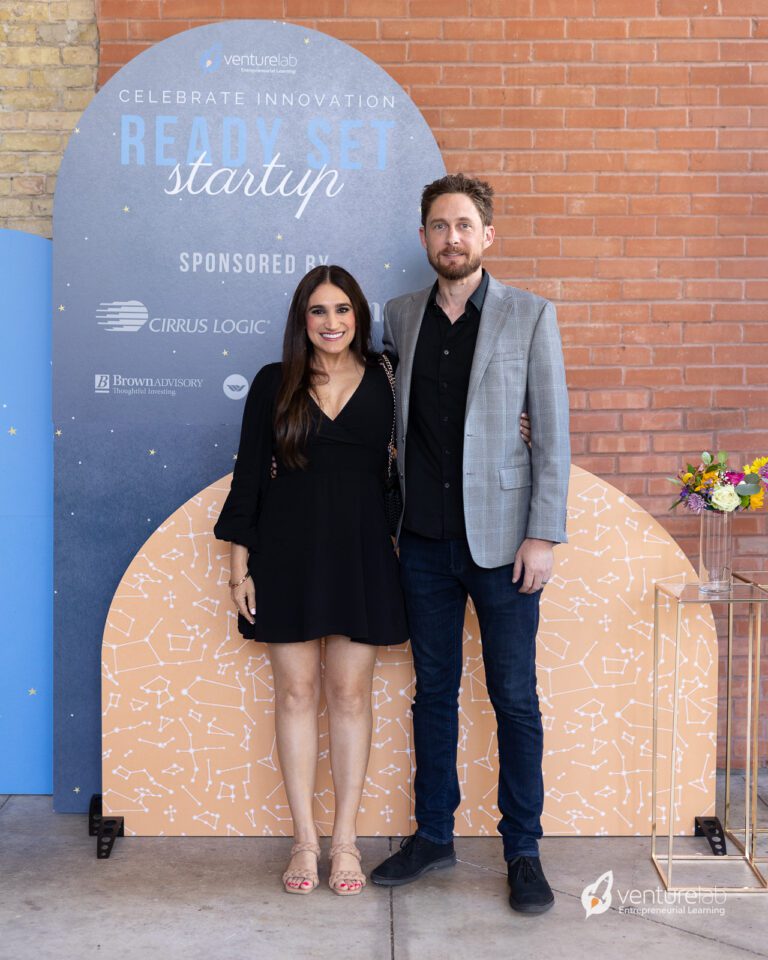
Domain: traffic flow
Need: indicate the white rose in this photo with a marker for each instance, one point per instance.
(725, 498)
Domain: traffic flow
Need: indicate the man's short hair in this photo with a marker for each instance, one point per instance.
(478, 191)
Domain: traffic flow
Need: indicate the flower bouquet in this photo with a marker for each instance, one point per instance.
(715, 492)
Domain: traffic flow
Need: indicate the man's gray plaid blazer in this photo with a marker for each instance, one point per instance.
(510, 492)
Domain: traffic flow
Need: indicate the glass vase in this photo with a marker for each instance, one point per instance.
(715, 551)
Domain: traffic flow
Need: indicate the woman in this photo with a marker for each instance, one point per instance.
(311, 559)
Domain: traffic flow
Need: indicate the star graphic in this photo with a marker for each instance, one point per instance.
(306, 40)
(225, 353)
(32, 691)
(279, 236)
(387, 266)
(62, 308)
(76, 790)
(151, 453)
(12, 431)
(77, 129)
(234, 456)
(58, 433)
(126, 209)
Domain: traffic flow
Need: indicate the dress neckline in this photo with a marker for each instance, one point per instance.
(347, 402)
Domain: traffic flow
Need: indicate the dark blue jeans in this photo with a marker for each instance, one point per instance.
(437, 576)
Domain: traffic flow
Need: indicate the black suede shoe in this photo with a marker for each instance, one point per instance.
(415, 857)
(529, 890)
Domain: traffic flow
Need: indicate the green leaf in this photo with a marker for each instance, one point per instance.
(722, 457)
(745, 489)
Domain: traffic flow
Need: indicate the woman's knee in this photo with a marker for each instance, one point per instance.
(348, 699)
(298, 696)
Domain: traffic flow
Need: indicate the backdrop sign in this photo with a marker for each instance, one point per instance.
(207, 177)
(200, 185)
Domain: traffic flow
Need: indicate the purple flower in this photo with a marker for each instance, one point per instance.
(733, 477)
(763, 472)
(695, 503)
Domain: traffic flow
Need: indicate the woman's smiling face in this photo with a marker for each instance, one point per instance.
(330, 320)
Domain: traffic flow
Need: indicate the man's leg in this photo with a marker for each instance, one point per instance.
(435, 603)
(508, 623)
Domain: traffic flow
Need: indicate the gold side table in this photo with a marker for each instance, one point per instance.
(755, 597)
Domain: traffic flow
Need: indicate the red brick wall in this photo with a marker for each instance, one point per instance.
(627, 142)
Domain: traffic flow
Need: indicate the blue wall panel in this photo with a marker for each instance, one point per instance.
(26, 515)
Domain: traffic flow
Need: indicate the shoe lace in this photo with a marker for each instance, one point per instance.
(407, 843)
(525, 870)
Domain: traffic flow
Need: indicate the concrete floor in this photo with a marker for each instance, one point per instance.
(220, 899)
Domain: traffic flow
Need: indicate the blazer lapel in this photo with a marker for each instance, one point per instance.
(495, 313)
(412, 318)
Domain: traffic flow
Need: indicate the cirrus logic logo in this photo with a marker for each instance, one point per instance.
(122, 316)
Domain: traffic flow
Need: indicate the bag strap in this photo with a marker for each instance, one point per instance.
(391, 452)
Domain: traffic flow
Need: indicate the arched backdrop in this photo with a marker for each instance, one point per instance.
(188, 717)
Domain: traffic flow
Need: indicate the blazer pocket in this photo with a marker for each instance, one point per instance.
(506, 355)
(512, 477)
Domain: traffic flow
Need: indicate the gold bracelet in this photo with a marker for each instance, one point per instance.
(239, 582)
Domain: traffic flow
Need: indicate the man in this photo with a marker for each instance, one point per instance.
(482, 512)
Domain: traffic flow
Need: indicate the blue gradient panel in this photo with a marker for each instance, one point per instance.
(172, 279)
(26, 515)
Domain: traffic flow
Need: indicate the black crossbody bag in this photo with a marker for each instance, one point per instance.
(393, 497)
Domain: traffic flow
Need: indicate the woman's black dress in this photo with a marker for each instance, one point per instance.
(320, 555)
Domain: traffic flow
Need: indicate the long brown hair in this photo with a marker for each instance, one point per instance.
(293, 418)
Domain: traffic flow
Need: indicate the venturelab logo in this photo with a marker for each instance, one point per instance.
(122, 316)
(210, 59)
(596, 897)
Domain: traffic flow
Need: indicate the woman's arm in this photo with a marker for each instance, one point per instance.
(241, 582)
(239, 515)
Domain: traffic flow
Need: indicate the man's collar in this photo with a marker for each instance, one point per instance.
(477, 299)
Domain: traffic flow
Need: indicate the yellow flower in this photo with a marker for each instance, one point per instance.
(708, 480)
(687, 477)
(756, 501)
(756, 464)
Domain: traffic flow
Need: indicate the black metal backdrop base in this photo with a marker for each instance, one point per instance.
(712, 829)
(105, 829)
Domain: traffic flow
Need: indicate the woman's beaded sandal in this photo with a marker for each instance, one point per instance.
(346, 883)
(299, 880)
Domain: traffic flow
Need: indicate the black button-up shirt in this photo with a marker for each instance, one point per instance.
(435, 442)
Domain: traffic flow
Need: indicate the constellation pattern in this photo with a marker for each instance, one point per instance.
(188, 704)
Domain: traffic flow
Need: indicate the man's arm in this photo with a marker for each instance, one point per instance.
(550, 454)
(550, 431)
(390, 347)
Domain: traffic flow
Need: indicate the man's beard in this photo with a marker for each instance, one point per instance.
(455, 271)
